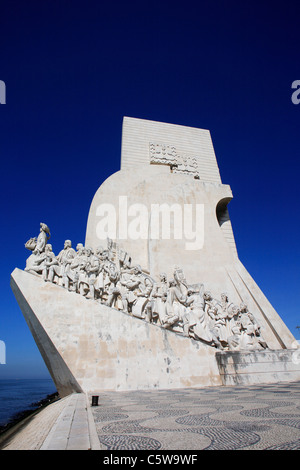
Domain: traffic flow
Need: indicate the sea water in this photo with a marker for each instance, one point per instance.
(17, 395)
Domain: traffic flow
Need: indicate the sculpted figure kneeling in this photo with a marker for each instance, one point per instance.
(113, 290)
(138, 290)
(64, 259)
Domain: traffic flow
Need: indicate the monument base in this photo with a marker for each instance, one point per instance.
(255, 367)
(89, 347)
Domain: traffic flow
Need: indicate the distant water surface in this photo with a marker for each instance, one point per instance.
(17, 395)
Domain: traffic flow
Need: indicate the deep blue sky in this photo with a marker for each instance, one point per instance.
(74, 69)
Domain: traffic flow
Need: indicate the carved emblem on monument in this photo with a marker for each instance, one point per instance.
(161, 154)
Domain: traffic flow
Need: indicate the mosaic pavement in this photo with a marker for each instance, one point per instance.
(215, 418)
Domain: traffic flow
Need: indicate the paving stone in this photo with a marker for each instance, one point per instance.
(220, 418)
(215, 418)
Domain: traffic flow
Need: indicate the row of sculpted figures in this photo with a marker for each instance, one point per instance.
(107, 276)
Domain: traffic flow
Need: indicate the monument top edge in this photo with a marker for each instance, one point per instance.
(163, 123)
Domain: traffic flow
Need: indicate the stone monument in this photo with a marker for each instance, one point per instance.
(156, 296)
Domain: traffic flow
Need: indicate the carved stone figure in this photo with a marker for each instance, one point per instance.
(71, 276)
(102, 277)
(91, 269)
(234, 341)
(188, 317)
(139, 289)
(38, 244)
(34, 263)
(49, 260)
(64, 259)
(198, 321)
(83, 287)
(113, 290)
(252, 338)
(157, 304)
(172, 315)
(176, 298)
(42, 238)
(211, 308)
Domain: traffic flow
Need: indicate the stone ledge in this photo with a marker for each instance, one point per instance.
(251, 367)
(74, 429)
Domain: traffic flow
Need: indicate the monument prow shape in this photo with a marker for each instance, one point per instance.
(167, 303)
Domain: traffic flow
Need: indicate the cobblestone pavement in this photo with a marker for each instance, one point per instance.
(240, 417)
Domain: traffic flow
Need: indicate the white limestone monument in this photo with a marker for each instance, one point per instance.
(156, 296)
